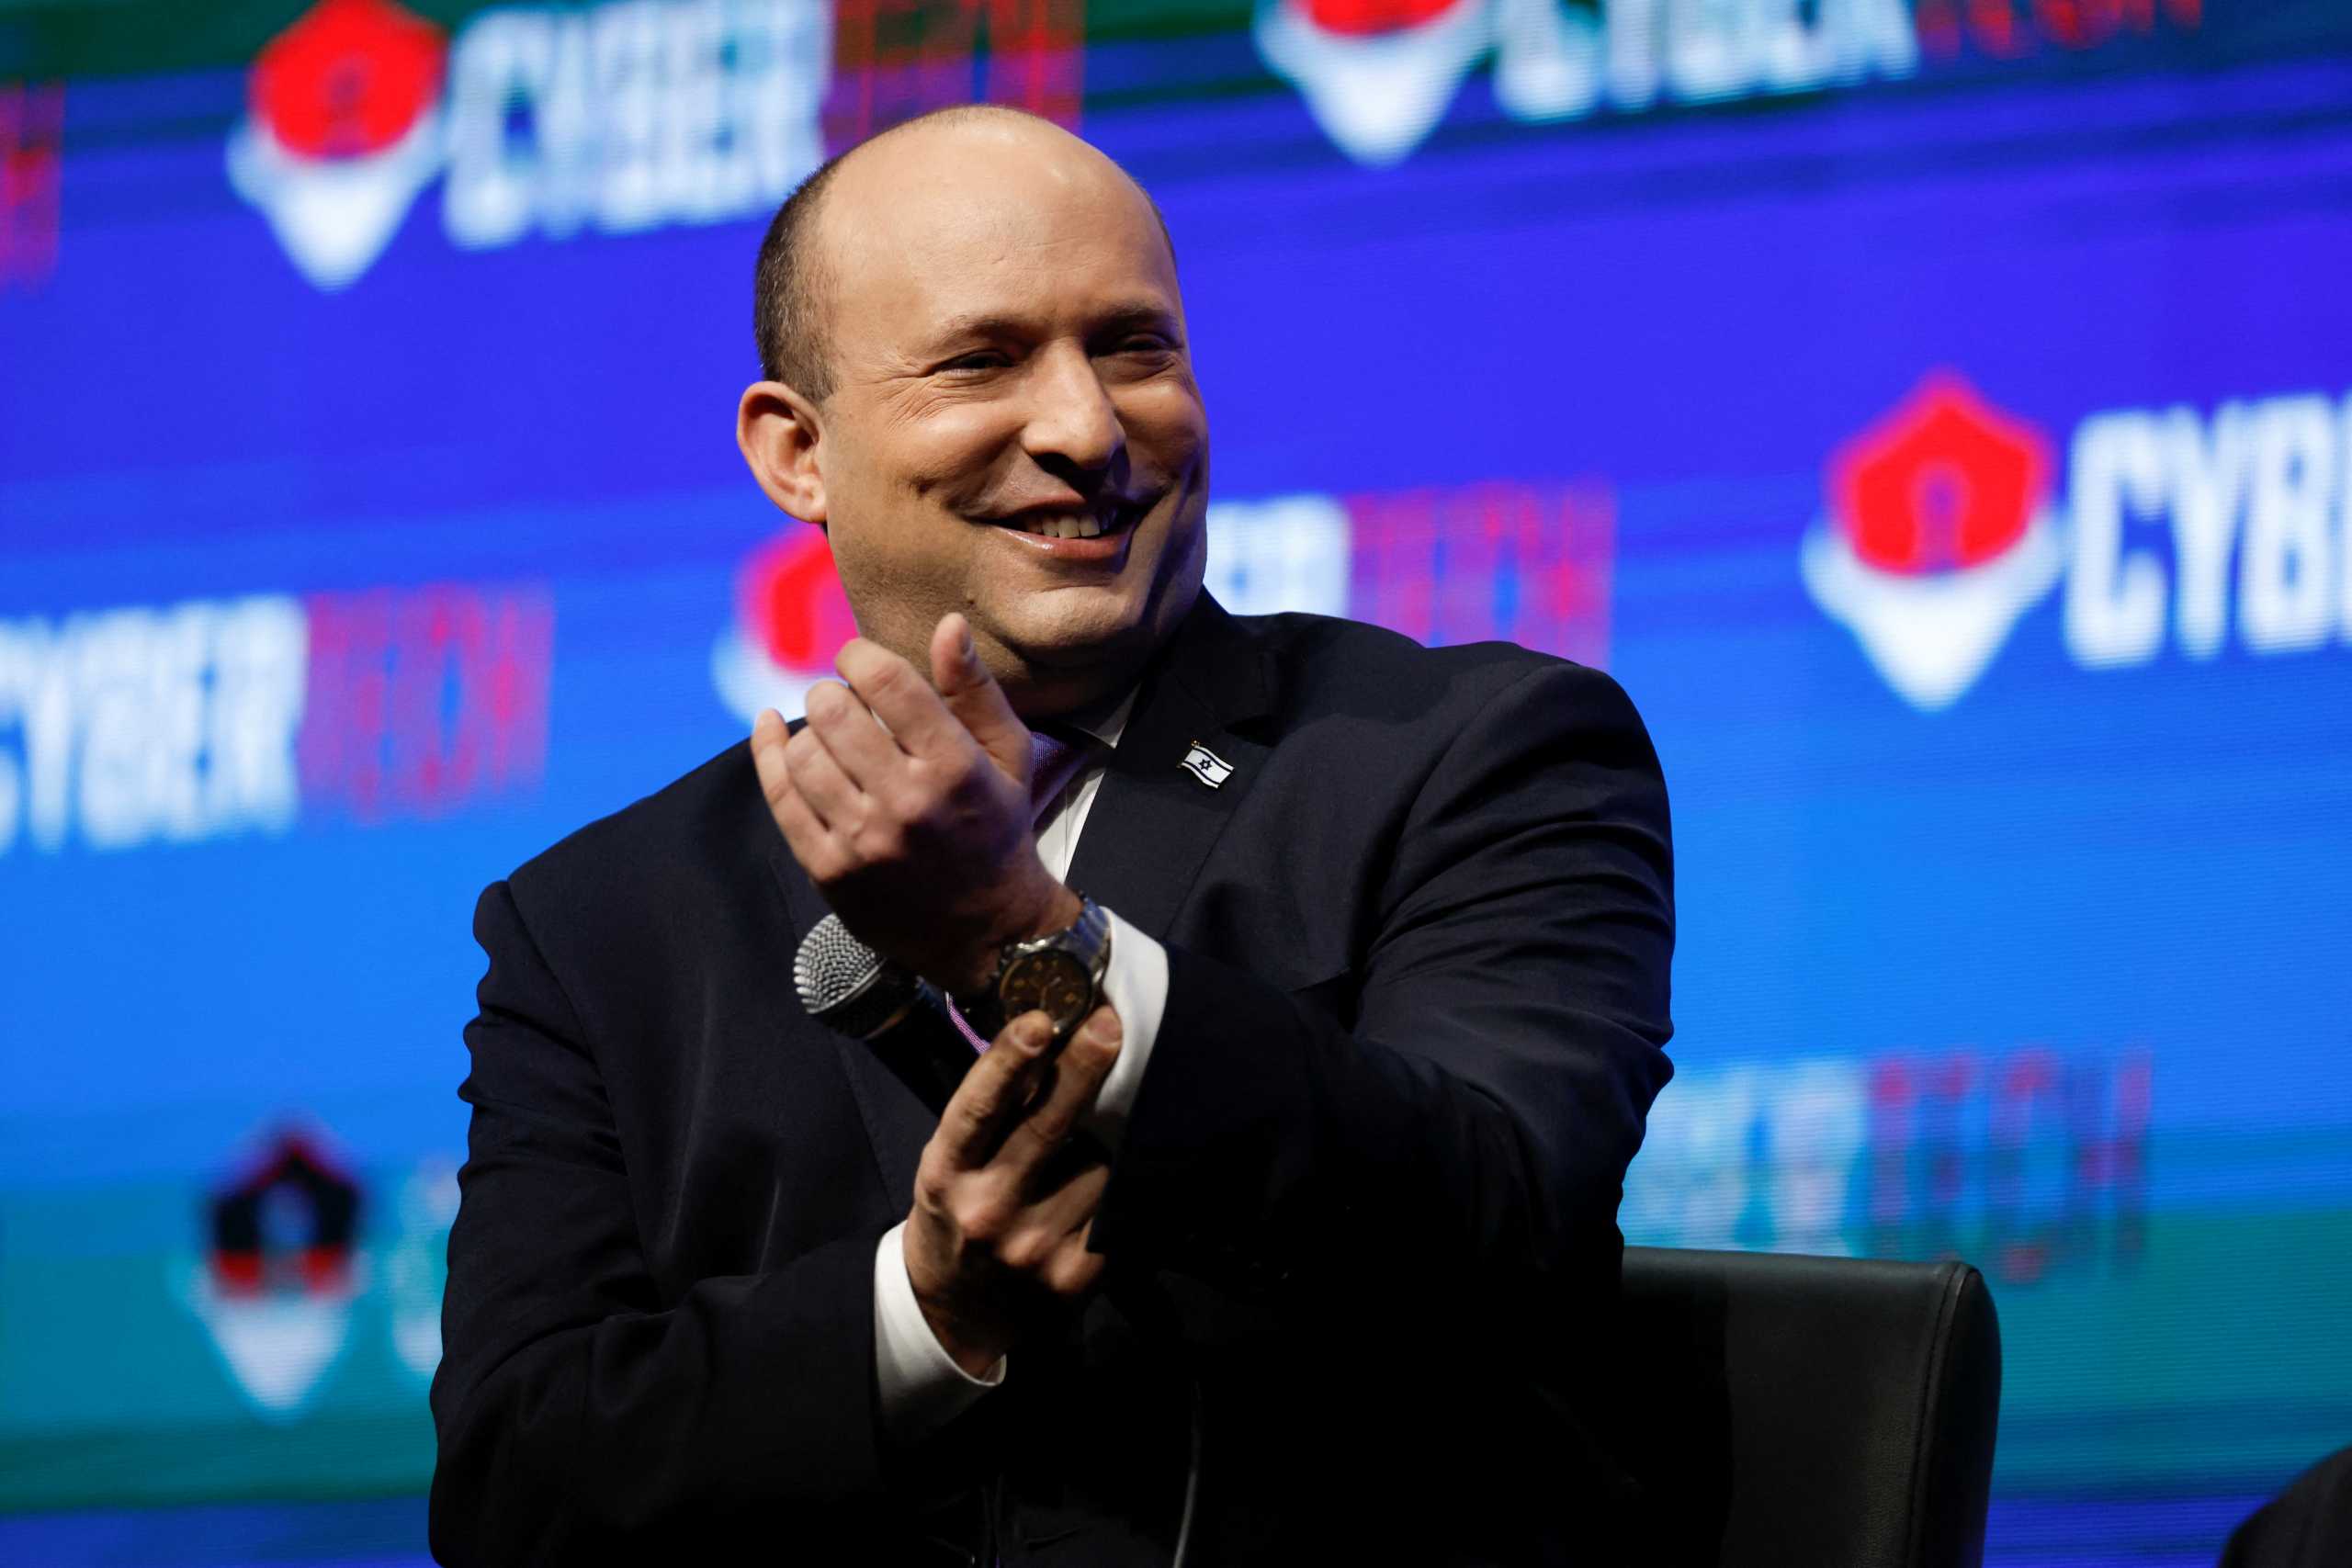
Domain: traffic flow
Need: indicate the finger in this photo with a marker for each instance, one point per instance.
(830, 793)
(803, 830)
(1046, 1224)
(1078, 1072)
(863, 748)
(991, 1092)
(920, 724)
(1070, 1206)
(811, 844)
(972, 694)
(769, 733)
(1075, 1266)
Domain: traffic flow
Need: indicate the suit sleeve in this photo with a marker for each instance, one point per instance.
(1468, 1128)
(580, 1416)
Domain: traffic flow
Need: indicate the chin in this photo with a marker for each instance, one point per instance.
(1074, 640)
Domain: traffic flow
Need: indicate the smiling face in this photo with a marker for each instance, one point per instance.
(1014, 430)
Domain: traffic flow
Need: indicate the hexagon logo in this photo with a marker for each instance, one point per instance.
(280, 1270)
(343, 129)
(1939, 537)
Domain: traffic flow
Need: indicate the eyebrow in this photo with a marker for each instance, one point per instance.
(1126, 316)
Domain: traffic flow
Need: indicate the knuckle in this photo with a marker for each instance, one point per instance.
(1026, 1251)
(1069, 1271)
(982, 1215)
(933, 1191)
(978, 1097)
(908, 799)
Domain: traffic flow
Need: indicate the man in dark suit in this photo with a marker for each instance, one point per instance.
(1282, 1220)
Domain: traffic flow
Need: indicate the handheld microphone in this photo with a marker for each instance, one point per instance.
(848, 986)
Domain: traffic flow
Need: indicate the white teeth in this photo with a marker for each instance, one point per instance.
(1086, 527)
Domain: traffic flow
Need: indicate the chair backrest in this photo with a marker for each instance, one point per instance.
(1811, 1412)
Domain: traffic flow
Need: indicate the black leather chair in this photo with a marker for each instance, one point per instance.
(1811, 1412)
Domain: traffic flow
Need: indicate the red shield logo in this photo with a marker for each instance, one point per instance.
(791, 618)
(1939, 537)
(343, 129)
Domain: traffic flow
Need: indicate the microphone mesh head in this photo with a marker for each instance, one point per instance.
(833, 966)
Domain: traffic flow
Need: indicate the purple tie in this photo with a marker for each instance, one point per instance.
(1054, 761)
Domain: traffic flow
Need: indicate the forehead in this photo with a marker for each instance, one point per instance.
(1026, 225)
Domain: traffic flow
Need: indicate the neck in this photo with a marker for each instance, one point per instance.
(1073, 695)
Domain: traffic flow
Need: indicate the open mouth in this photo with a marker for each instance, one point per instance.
(1076, 523)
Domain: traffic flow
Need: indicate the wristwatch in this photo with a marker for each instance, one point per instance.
(1059, 974)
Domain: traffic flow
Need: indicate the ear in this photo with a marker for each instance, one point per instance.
(777, 429)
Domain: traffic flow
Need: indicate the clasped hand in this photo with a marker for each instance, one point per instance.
(916, 829)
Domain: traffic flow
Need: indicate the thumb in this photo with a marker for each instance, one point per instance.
(972, 694)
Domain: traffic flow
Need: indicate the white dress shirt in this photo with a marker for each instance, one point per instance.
(922, 1387)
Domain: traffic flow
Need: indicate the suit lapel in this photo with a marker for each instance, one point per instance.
(897, 1123)
(1154, 821)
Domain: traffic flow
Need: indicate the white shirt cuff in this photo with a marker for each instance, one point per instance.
(922, 1387)
(1136, 985)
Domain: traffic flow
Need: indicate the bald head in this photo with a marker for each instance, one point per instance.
(978, 382)
(793, 292)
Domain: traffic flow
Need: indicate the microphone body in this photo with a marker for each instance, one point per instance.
(848, 986)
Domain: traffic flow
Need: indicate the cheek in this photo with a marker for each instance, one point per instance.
(893, 489)
(880, 539)
(946, 449)
(1166, 425)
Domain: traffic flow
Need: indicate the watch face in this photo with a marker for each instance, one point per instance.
(1053, 982)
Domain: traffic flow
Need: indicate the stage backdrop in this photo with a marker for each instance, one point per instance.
(1934, 414)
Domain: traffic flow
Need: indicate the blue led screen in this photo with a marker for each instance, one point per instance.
(1939, 416)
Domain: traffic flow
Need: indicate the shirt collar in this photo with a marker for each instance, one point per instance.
(1108, 724)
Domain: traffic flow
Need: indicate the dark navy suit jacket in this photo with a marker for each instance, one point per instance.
(1361, 1226)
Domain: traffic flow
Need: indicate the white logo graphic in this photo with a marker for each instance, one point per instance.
(624, 117)
(276, 1350)
(280, 1272)
(1379, 74)
(138, 725)
(1941, 532)
(418, 1267)
(1931, 638)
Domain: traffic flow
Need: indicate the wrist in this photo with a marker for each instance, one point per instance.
(1044, 906)
(974, 1355)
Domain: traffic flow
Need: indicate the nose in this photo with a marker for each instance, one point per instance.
(1073, 422)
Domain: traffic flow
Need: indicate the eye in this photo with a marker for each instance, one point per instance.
(1140, 352)
(979, 359)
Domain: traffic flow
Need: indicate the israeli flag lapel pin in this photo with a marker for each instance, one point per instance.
(1208, 770)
